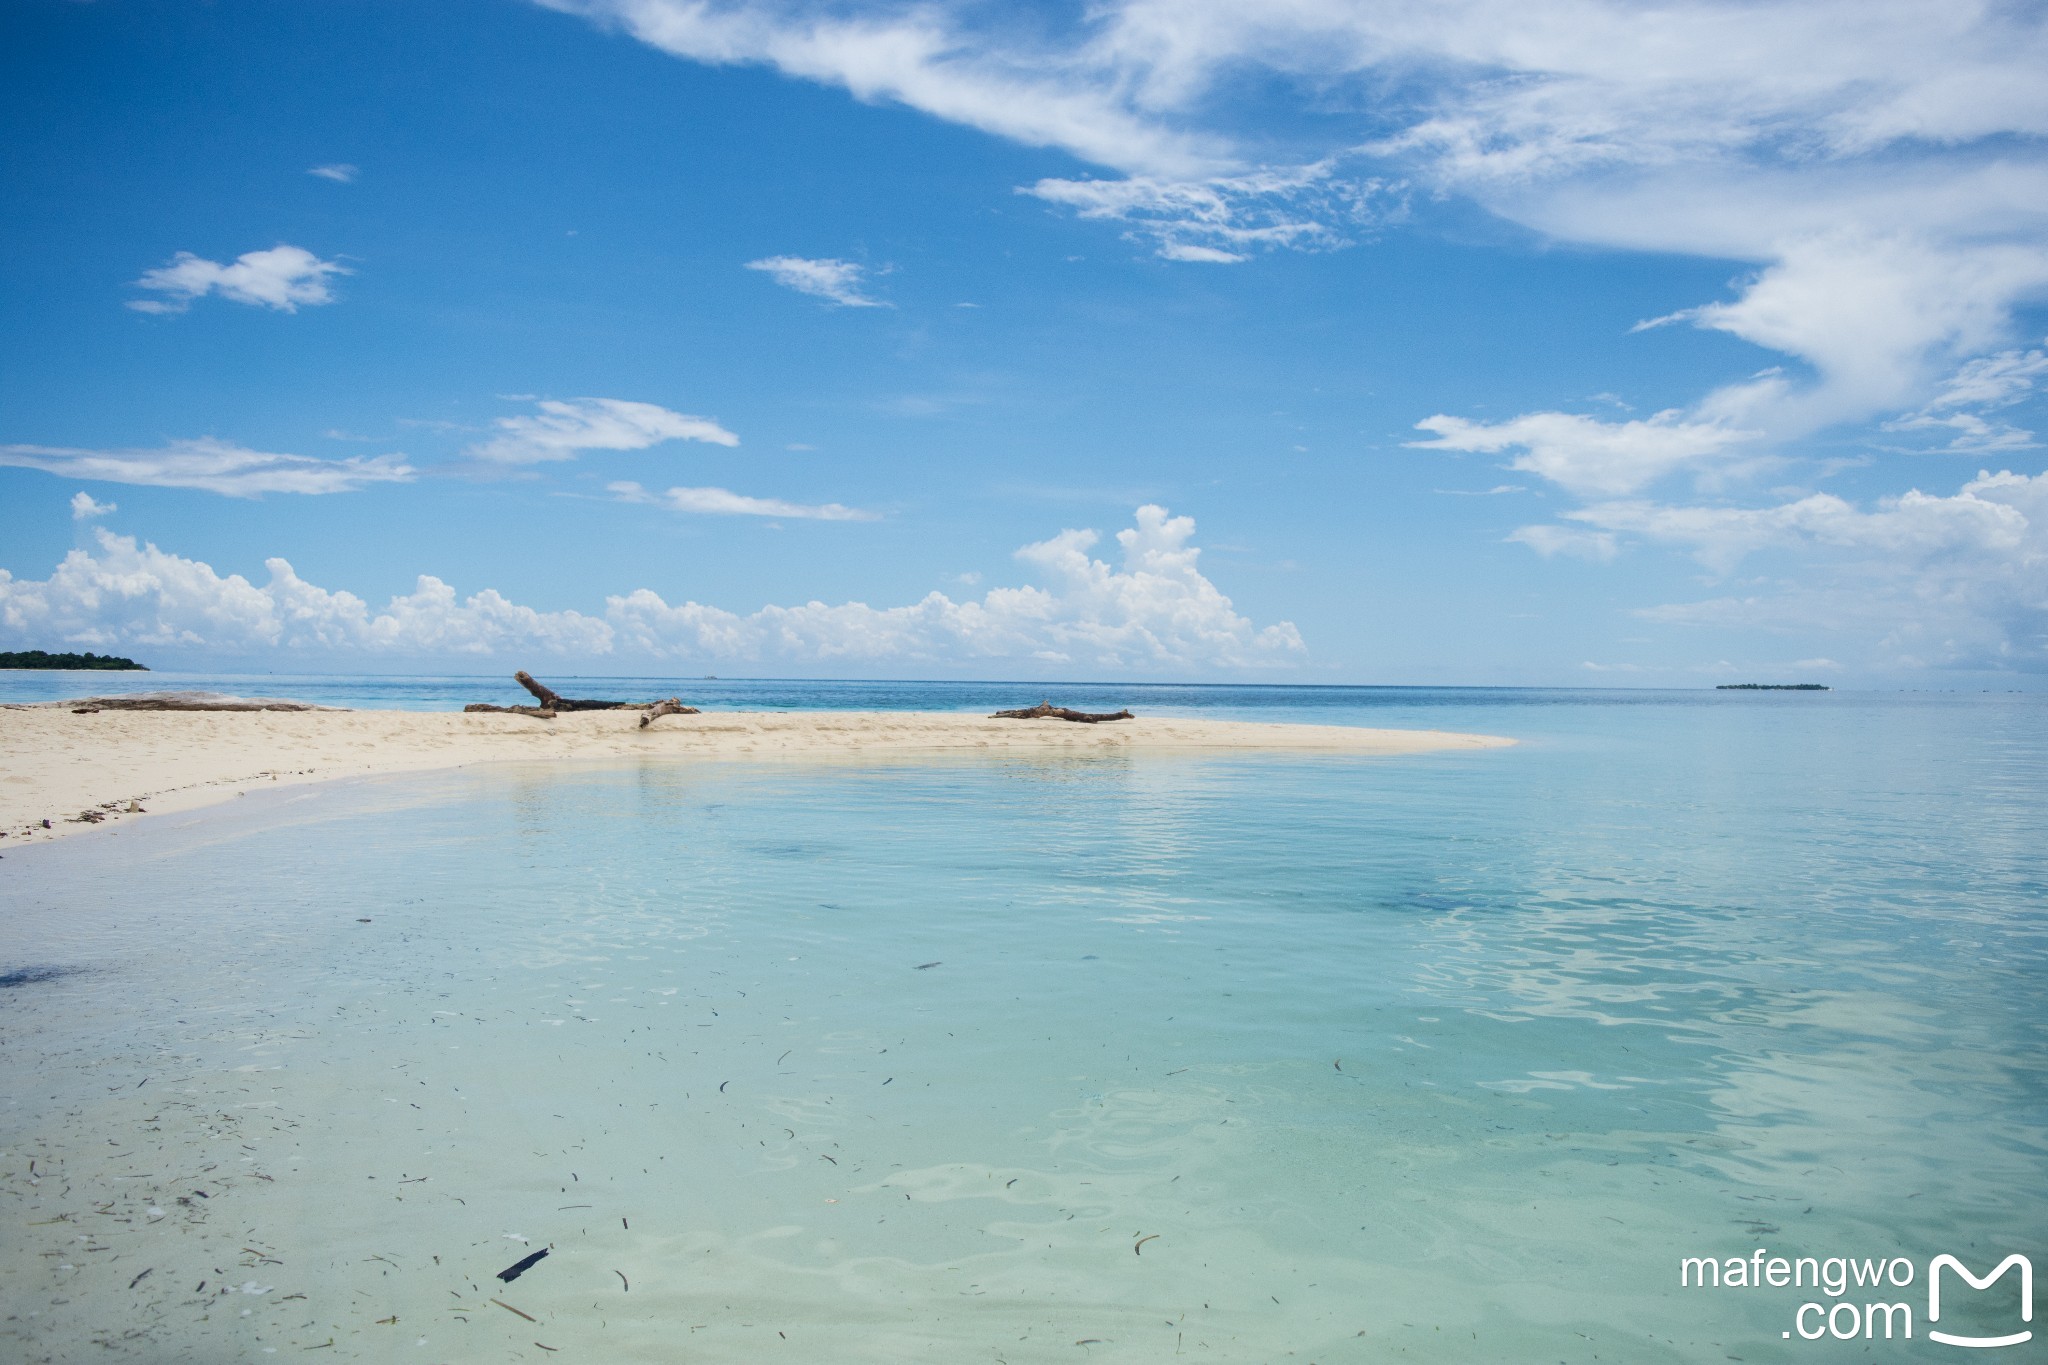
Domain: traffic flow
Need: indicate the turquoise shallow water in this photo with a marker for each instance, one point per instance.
(1451, 1057)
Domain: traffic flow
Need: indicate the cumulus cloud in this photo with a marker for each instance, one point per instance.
(130, 593)
(1924, 579)
(1989, 517)
(215, 466)
(340, 172)
(835, 281)
(85, 507)
(282, 278)
(563, 430)
(720, 502)
(1154, 610)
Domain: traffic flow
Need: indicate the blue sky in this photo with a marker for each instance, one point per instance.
(804, 339)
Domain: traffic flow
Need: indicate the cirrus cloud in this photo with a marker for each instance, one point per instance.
(835, 281)
(562, 430)
(1879, 168)
(214, 466)
(720, 502)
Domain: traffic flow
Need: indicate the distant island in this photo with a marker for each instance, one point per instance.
(1771, 687)
(36, 658)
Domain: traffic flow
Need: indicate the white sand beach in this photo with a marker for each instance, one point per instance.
(55, 766)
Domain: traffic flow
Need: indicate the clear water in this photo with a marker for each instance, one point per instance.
(1450, 1057)
(1223, 701)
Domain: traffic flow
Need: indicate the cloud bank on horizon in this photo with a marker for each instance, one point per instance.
(1155, 611)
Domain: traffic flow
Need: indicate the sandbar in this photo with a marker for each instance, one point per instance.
(87, 772)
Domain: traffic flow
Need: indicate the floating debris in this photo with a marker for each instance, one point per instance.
(513, 1272)
(33, 976)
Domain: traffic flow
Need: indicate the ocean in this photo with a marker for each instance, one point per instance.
(1449, 1057)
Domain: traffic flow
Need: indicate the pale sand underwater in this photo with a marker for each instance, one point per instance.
(1041, 1053)
(55, 765)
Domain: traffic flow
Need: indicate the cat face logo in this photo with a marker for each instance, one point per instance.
(1934, 1269)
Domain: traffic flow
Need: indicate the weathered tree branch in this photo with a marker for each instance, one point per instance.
(554, 702)
(85, 706)
(1045, 710)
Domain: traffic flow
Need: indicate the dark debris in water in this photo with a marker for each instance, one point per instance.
(513, 1272)
(33, 976)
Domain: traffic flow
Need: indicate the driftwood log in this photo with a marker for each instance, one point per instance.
(1045, 710)
(671, 707)
(552, 702)
(85, 706)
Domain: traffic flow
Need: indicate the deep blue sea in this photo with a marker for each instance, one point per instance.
(1120, 1056)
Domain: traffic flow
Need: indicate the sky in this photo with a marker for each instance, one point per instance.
(1489, 342)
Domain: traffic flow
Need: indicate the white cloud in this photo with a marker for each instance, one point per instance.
(563, 430)
(1917, 580)
(723, 503)
(1491, 90)
(1584, 454)
(85, 507)
(1154, 611)
(1985, 385)
(215, 466)
(1223, 219)
(340, 172)
(1881, 163)
(1878, 167)
(1973, 435)
(924, 57)
(832, 280)
(283, 278)
(1994, 381)
(137, 594)
(1550, 541)
(1875, 315)
(1988, 517)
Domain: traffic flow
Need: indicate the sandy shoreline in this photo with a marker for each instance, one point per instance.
(55, 765)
